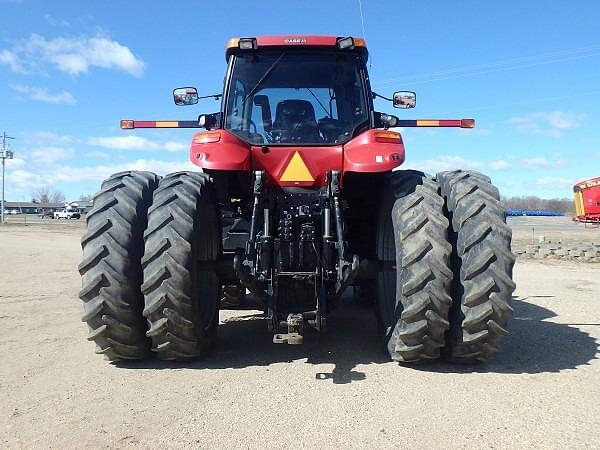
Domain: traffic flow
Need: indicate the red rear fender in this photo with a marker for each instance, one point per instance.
(220, 150)
(371, 151)
(374, 151)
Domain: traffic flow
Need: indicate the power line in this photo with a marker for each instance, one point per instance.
(364, 33)
(362, 21)
(520, 59)
(496, 106)
(497, 66)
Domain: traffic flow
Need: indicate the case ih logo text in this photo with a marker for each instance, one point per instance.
(295, 41)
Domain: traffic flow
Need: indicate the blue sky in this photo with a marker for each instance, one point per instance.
(528, 72)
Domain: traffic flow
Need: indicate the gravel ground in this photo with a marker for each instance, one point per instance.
(527, 230)
(336, 390)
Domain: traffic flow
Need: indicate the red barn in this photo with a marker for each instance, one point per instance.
(587, 200)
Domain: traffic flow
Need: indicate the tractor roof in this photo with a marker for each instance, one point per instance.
(296, 42)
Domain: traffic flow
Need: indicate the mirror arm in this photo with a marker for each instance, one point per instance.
(375, 95)
(215, 96)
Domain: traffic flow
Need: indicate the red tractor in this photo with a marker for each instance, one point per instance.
(297, 199)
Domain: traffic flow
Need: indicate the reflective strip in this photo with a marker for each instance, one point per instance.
(428, 123)
(167, 124)
(450, 123)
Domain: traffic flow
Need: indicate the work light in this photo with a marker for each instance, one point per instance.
(345, 43)
(248, 44)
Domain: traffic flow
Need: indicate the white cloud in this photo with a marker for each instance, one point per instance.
(42, 94)
(27, 179)
(499, 164)
(101, 172)
(553, 124)
(555, 182)
(48, 138)
(543, 163)
(132, 142)
(124, 142)
(15, 163)
(98, 155)
(176, 146)
(12, 61)
(50, 155)
(72, 55)
(448, 162)
(22, 179)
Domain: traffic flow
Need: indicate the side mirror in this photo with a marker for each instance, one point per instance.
(208, 121)
(185, 96)
(388, 121)
(405, 99)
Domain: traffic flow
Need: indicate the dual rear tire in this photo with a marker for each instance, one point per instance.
(142, 252)
(150, 243)
(452, 285)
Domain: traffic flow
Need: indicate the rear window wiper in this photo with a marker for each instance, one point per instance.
(264, 77)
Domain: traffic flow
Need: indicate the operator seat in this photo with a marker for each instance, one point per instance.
(295, 122)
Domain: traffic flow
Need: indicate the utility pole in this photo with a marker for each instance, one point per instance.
(5, 154)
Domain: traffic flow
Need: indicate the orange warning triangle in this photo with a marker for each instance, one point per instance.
(296, 170)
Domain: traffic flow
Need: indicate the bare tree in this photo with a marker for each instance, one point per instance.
(45, 194)
(531, 202)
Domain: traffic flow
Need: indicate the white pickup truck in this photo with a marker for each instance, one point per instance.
(66, 214)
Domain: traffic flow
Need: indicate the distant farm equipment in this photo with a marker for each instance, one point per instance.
(587, 201)
(532, 212)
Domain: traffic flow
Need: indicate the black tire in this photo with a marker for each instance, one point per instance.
(413, 300)
(111, 271)
(482, 263)
(181, 302)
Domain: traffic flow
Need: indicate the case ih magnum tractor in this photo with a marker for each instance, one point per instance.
(296, 199)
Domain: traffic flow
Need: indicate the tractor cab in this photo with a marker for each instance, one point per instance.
(297, 96)
(311, 91)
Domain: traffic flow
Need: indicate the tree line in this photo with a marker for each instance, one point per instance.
(46, 194)
(532, 202)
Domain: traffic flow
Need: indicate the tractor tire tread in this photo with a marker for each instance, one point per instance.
(482, 264)
(170, 307)
(422, 256)
(110, 266)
